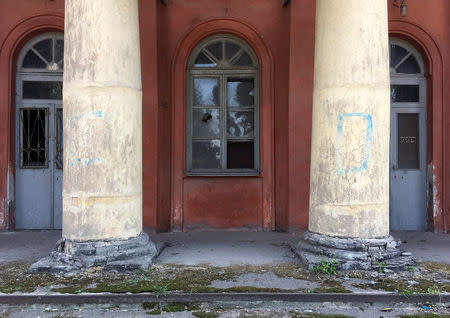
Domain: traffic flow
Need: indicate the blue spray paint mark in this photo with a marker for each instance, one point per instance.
(369, 133)
(92, 114)
(85, 161)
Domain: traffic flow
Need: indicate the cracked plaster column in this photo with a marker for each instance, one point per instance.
(102, 186)
(349, 190)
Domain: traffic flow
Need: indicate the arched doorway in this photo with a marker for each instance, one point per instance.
(408, 168)
(39, 134)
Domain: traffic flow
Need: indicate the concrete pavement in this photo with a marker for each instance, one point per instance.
(219, 248)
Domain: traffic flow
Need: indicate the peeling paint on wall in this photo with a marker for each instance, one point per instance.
(433, 193)
(90, 115)
(437, 211)
(354, 164)
(8, 202)
(85, 161)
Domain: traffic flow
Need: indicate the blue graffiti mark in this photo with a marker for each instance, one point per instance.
(85, 161)
(92, 114)
(368, 142)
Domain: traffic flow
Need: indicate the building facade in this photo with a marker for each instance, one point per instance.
(226, 138)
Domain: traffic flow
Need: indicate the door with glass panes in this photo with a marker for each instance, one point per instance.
(408, 197)
(39, 134)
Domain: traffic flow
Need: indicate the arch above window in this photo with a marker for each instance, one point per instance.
(222, 52)
(44, 53)
(404, 58)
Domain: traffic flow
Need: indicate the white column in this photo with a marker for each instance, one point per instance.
(349, 193)
(102, 189)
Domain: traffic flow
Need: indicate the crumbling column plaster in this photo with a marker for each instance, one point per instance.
(102, 185)
(102, 189)
(349, 193)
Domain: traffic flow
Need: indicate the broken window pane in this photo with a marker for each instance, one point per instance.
(240, 124)
(240, 92)
(206, 91)
(206, 123)
(206, 154)
(240, 155)
(34, 137)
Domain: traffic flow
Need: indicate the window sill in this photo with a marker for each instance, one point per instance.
(229, 173)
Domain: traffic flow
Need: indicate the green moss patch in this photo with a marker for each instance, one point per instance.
(423, 286)
(295, 314)
(431, 278)
(440, 268)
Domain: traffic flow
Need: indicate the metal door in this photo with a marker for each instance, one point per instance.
(38, 143)
(408, 195)
(38, 171)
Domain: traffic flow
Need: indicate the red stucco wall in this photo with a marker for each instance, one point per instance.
(283, 39)
(20, 21)
(427, 26)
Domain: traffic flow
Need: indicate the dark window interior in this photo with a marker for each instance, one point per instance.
(34, 137)
(408, 141)
(240, 155)
(42, 90)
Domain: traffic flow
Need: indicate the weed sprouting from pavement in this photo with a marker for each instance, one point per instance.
(326, 266)
(381, 267)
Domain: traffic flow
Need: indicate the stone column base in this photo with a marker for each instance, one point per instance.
(352, 253)
(112, 255)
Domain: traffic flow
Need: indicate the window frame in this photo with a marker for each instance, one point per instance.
(222, 73)
(37, 75)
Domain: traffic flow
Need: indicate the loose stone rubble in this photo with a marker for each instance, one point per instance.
(352, 253)
(112, 255)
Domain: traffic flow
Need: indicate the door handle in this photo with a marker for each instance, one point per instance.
(394, 167)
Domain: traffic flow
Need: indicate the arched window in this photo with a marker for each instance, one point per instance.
(222, 108)
(404, 59)
(40, 60)
(407, 73)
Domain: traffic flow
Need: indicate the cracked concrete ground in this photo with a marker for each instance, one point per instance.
(221, 262)
(235, 309)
